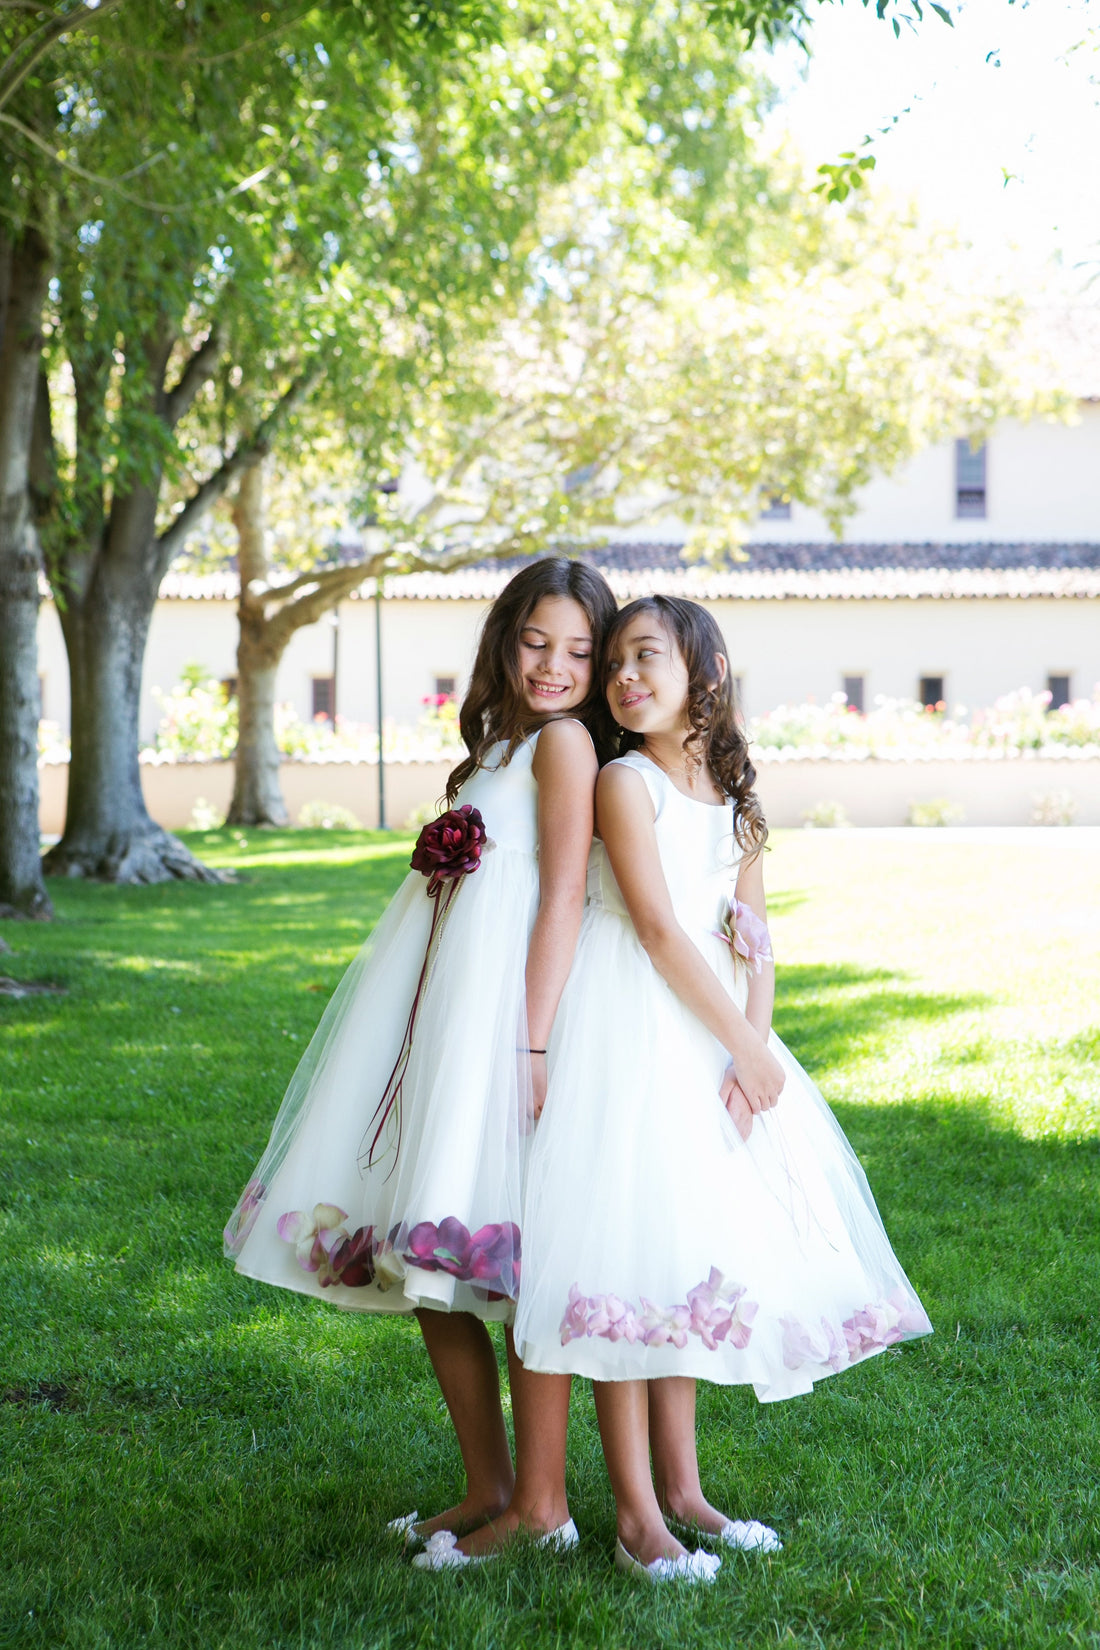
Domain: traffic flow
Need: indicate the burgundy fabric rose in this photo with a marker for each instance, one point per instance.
(451, 845)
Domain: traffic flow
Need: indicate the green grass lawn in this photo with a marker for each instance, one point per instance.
(191, 1459)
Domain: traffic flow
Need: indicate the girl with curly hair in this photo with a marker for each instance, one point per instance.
(693, 1208)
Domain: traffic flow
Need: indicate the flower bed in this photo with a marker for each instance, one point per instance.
(900, 730)
(1015, 763)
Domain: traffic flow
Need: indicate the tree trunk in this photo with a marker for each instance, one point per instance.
(25, 276)
(257, 796)
(108, 831)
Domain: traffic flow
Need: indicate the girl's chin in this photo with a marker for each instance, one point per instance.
(550, 707)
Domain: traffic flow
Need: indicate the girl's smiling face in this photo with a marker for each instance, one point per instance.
(555, 656)
(647, 679)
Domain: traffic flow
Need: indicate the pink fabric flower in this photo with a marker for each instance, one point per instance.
(747, 937)
(713, 1311)
(489, 1255)
(243, 1218)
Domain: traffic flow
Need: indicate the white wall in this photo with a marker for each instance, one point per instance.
(1042, 484)
(788, 651)
(784, 651)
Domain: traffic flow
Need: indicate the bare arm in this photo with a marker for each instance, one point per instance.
(624, 817)
(564, 767)
(750, 890)
(758, 1009)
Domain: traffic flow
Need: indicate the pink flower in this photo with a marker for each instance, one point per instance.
(574, 1324)
(747, 937)
(243, 1218)
(713, 1311)
(491, 1254)
(312, 1235)
(820, 1345)
(741, 1324)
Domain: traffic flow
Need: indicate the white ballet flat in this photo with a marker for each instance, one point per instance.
(405, 1527)
(750, 1536)
(690, 1567)
(442, 1552)
(745, 1535)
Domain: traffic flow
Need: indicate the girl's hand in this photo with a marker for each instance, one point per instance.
(733, 1098)
(538, 1085)
(759, 1074)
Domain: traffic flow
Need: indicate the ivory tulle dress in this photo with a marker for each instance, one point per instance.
(434, 1221)
(657, 1241)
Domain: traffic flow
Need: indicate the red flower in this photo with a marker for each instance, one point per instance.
(450, 846)
(352, 1261)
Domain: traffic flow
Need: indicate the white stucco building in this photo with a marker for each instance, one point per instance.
(961, 577)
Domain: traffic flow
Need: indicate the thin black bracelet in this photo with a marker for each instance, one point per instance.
(530, 1051)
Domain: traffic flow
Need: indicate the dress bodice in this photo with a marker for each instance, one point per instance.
(699, 853)
(507, 796)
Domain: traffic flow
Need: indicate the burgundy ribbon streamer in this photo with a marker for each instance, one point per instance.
(391, 1095)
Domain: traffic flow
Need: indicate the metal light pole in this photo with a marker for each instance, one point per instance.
(382, 826)
(387, 490)
(334, 621)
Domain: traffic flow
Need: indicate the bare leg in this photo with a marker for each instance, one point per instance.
(540, 1417)
(623, 1413)
(466, 1368)
(675, 1460)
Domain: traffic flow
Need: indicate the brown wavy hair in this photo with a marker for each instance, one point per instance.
(493, 708)
(716, 737)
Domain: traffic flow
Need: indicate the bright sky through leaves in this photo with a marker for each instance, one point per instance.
(1002, 130)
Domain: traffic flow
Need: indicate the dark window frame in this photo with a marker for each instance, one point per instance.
(323, 689)
(928, 697)
(858, 680)
(971, 481)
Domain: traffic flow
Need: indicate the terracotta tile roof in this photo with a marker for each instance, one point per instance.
(769, 572)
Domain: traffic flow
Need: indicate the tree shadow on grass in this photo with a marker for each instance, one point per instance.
(233, 1437)
(828, 1014)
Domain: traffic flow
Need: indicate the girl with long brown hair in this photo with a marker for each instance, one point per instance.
(393, 1178)
(693, 1209)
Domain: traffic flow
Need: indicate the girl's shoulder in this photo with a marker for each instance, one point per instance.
(634, 762)
(564, 732)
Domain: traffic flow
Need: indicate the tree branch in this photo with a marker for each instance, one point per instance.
(330, 585)
(36, 45)
(198, 368)
(255, 446)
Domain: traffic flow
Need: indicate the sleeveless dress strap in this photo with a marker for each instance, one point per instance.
(655, 780)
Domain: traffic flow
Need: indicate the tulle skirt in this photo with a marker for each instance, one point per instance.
(657, 1241)
(434, 1220)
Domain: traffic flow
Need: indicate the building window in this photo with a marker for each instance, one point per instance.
(775, 508)
(1058, 688)
(324, 697)
(445, 687)
(853, 692)
(969, 480)
(931, 691)
(229, 687)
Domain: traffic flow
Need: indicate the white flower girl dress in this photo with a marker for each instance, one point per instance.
(657, 1241)
(432, 1219)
